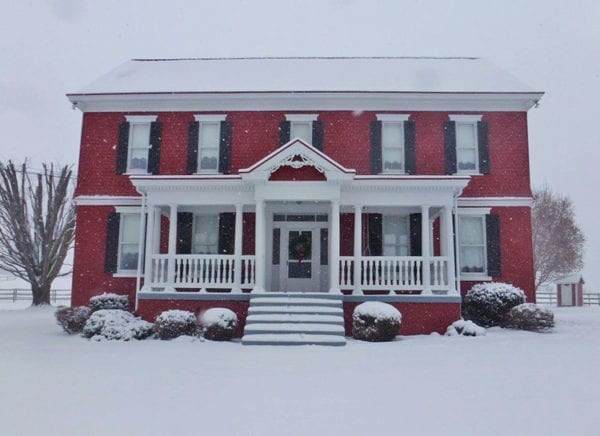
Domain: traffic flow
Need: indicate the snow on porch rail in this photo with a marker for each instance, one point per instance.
(394, 273)
(201, 270)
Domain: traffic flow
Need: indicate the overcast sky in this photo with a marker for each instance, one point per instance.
(49, 48)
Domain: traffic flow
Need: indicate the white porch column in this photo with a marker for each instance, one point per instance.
(260, 247)
(149, 247)
(237, 249)
(157, 230)
(357, 248)
(172, 247)
(447, 240)
(334, 244)
(425, 233)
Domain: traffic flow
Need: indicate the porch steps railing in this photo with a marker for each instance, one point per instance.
(294, 319)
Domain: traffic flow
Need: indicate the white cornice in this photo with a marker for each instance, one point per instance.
(107, 200)
(495, 202)
(306, 101)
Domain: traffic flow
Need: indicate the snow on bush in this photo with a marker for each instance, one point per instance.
(173, 323)
(218, 324)
(116, 324)
(375, 322)
(529, 316)
(464, 328)
(109, 301)
(72, 319)
(488, 304)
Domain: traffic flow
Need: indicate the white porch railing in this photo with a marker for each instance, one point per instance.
(395, 273)
(201, 271)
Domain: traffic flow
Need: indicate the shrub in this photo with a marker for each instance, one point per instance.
(375, 322)
(218, 324)
(72, 319)
(174, 323)
(109, 301)
(530, 316)
(464, 328)
(488, 304)
(116, 324)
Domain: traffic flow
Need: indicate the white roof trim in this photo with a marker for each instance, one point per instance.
(106, 200)
(301, 117)
(210, 117)
(465, 118)
(393, 117)
(495, 202)
(140, 118)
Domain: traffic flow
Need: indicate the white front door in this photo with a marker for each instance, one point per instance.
(566, 295)
(300, 258)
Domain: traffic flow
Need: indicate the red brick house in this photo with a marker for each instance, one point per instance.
(291, 182)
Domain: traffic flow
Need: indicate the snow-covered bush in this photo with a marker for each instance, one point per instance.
(464, 328)
(375, 322)
(488, 304)
(173, 323)
(109, 301)
(72, 319)
(116, 324)
(218, 324)
(530, 316)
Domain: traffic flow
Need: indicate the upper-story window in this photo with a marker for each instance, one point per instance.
(301, 126)
(205, 239)
(209, 142)
(139, 142)
(468, 145)
(393, 143)
(396, 235)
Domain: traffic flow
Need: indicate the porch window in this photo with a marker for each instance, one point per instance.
(472, 237)
(466, 147)
(392, 146)
(139, 145)
(205, 236)
(129, 238)
(208, 146)
(396, 235)
(302, 130)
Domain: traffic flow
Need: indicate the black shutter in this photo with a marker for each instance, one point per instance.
(376, 165)
(416, 248)
(284, 132)
(317, 135)
(492, 228)
(185, 223)
(111, 254)
(375, 234)
(450, 146)
(122, 146)
(154, 152)
(484, 149)
(410, 147)
(226, 232)
(225, 148)
(192, 150)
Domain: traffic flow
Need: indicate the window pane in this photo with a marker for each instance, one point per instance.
(302, 131)
(466, 159)
(300, 246)
(130, 228)
(465, 135)
(471, 230)
(392, 135)
(393, 159)
(129, 241)
(209, 134)
(471, 259)
(140, 135)
(138, 159)
(206, 234)
(128, 257)
(395, 235)
(209, 158)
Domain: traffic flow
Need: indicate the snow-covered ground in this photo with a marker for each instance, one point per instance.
(504, 383)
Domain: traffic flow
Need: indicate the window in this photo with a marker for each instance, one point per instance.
(302, 130)
(209, 139)
(396, 235)
(205, 236)
(139, 145)
(466, 147)
(472, 242)
(392, 146)
(129, 239)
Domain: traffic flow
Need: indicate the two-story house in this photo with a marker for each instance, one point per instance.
(215, 182)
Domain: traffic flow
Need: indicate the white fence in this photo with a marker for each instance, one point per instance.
(589, 299)
(25, 294)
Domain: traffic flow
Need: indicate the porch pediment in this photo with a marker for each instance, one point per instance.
(297, 154)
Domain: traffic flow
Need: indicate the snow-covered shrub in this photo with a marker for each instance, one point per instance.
(529, 316)
(488, 304)
(464, 328)
(173, 323)
(109, 301)
(72, 319)
(375, 322)
(116, 324)
(218, 324)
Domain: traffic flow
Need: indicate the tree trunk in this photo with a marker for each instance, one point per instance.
(41, 295)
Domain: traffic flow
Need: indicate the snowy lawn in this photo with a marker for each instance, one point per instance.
(504, 383)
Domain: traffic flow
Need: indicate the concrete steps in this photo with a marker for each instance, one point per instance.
(295, 319)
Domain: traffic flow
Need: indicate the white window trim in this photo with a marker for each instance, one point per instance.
(125, 272)
(198, 216)
(393, 117)
(141, 118)
(209, 119)
(301, 117)
(474, 277)
(400, 122)
(465, 118)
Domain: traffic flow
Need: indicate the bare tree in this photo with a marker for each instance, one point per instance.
(557, 239)
(37, 225)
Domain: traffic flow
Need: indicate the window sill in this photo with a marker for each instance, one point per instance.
(468, 173)
(465, 277)
(125, 275)
(136, 173)
(207, 173)
(394, 173)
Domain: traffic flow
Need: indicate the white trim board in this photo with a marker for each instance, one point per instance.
(107, 200)
(495, 202)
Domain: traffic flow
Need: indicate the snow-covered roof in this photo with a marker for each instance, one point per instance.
(571, 278)
(306, 74)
